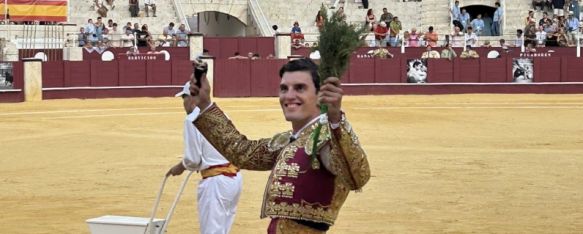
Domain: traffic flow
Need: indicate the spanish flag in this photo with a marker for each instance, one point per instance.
(34, 10)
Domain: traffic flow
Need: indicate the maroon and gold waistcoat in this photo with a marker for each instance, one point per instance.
(294, 190)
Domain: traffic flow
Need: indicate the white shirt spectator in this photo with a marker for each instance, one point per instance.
(169, 31)
(148, 2)
(471, 39)
(541, 37)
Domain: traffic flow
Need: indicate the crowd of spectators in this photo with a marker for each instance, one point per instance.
(98, 36)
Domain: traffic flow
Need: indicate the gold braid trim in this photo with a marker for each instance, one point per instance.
(222, 134)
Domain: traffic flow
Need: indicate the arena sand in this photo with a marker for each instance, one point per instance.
(440, 164)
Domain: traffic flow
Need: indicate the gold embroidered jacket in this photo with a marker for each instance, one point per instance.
(294, 190)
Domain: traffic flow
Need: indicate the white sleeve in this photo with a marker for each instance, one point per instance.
(192, 147)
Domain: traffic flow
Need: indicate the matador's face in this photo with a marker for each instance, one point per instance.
(298, 97)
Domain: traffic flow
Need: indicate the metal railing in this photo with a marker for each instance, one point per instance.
(180, 13)
(260, 19)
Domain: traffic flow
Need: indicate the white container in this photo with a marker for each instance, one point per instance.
(111, 224)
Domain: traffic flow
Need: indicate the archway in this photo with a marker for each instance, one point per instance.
(218, 24)
(487, 13)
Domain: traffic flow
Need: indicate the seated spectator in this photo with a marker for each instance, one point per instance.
(82, 37)
(182, 36)
(545, 21)
(168, 37)
(413, 40)
(270, 56)
(469, 53)
(144, 37)
(386, 17)
(237, 56)
(128, 27)
(530, 33)
(111, 4)
(101, 47)
(380, 33)
(471, 38)
(370, 18)
(429, 53)
(530, 18)
(128, 38)
(319, 20)
(100, 8)
(255, 56)
(431, 37)
(296, 44)
(448, 52)
(457, 38)
(89, 47)
(114, 36)
(478, 25)
(134, 8)
(406, 36)
(341, 12)
(539, 3)
(503, 44)
(109, 25)
(562, 38)
(519, 40)
(296, 32)
(150, 4)
(541, 37)
(487, 44)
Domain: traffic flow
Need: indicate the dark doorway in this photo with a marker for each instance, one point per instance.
(486, 11)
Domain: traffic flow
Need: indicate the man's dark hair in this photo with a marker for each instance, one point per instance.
(384, 8)
(519, 31)
(99, 18)
(205, 50)
(431, 28)
(171, 24)
(302, 65)
(274, 27)
(237, 54)
(497, 4)
(115, 24)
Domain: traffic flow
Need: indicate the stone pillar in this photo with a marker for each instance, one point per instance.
(33, 80)
(73, 54)
(196, 45)
(210, 61)
(282, 45)
(10, 52)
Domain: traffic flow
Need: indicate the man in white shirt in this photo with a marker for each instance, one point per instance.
(541, 37)
(220, 187)
(457, 38)
(152, 4)
(471, 37)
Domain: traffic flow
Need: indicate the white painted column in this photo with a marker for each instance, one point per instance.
(282, 45)
(210, 61)
(33, 80)
(195, 41)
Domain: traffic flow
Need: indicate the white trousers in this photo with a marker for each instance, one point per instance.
(217, 203)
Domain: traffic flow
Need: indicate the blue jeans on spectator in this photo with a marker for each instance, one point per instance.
(393, 41)
(496, 28)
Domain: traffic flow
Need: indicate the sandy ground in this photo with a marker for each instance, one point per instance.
(440, 164)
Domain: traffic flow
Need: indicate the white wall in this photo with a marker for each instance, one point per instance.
(223, 25)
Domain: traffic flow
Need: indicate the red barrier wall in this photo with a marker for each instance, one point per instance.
(244, 78)
(176, 53)
(225, 47)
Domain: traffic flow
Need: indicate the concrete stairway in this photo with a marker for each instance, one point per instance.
(283, 13)
(81, 11)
